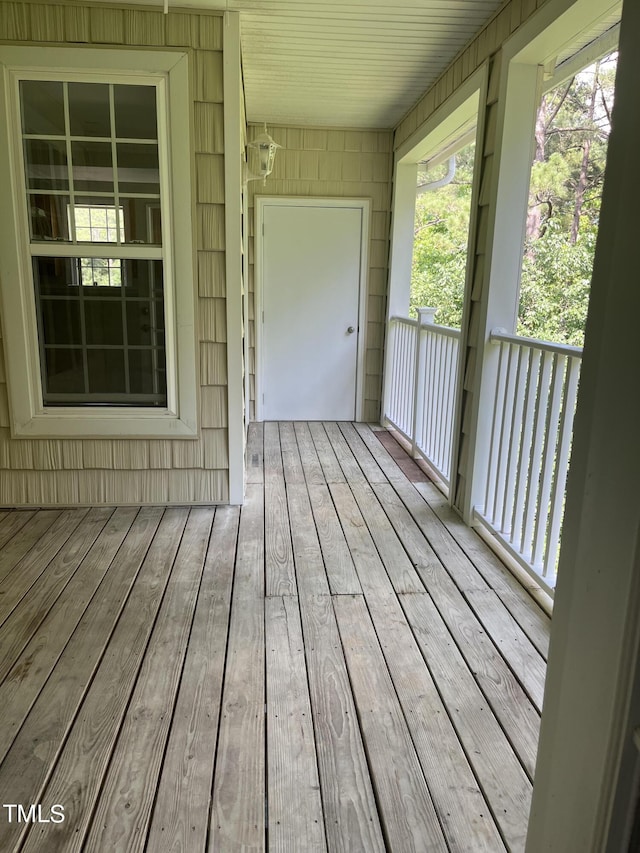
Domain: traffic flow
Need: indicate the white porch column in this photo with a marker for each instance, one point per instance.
(500, 225)
(402, 225)
(401, 256)
(586, 783)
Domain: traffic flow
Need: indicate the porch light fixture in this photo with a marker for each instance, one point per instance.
(266, 148)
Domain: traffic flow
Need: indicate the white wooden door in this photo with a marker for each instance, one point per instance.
(311, 271)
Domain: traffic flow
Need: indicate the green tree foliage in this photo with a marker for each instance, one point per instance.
(571, 134)
(440, 241)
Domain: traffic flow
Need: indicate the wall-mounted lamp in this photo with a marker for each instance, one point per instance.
(266, 148)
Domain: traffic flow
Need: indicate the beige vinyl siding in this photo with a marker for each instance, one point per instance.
(485, 44)
(485, 47)
(324, 162)
(41, 472)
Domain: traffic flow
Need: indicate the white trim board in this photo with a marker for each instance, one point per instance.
(233, 258)
(363, 204)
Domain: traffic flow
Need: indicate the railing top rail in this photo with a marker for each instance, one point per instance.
(447, 331)
(500, 335)
(408, 321)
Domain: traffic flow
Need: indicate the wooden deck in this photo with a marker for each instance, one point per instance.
(341, 665)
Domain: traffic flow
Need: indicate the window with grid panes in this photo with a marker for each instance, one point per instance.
(93, 185)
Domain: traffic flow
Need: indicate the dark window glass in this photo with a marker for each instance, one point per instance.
(141, 220)
(103, 322)
(61, 321)
(147, 372)
(138, 169)
(46, 164)
(106, 371)
(49, 217)
(42, 107)
(63, 372)
(89, 111)
(135, 109)
(92, 166)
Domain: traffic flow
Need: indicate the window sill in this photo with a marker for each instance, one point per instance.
(97, 422)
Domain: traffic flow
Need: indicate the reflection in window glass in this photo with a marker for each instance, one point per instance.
(89, 110)
(92, 175)
(42, 107)
(135, 111)
(102, 342)
(46, 164)
(92, 166)
(49, 216)
(98, 223)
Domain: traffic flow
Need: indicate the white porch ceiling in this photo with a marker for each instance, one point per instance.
(344, 63)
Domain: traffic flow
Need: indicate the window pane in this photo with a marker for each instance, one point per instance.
(147, 372)
(97, 220)
(103, 322)
(42, 107)
(106, 371)
(144, 321)
(92, 166)
(61, 321)
(64, 373)
(48, 216)
(55, 276)
(135, 109)
(46, 165)
(142, 221)
(138, 169)
(89, 113)
(100, 275)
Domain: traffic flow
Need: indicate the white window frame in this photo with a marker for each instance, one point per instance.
(29, 418)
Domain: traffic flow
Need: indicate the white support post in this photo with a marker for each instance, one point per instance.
(502, 250)
(233, 256)
(401, 256)
(402, 227)
(585, 794)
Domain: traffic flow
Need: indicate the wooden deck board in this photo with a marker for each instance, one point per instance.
(500, 774)
(92, 605)
(466, 821)
(239, 789)
(21, 623)
(181, 811)
(123, 812)
(11, 523)
(338, 665)
(80, 707)
(351, 816)
(19, 547)
(406, 809)
(293, 786)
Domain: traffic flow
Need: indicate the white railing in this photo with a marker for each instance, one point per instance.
(528, 459)
(420, 386)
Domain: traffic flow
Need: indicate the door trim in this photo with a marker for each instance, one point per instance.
(362, 204)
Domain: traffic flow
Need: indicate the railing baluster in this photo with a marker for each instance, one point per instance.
(437, 450)
(452, 375)
(548, 459)
(515, 437)
(529, 449)
(490, 494)
(556, 511)
(535, 461)
(506, 427)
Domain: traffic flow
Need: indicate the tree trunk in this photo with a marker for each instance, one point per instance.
(584, 165)
(534, 215)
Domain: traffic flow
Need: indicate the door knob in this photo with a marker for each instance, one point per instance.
(350, 330)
